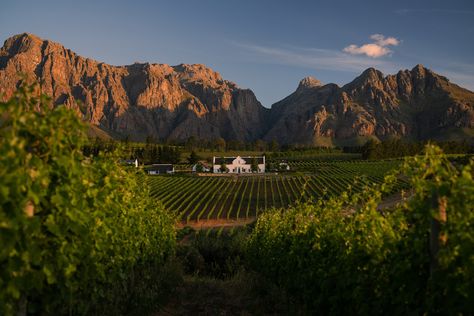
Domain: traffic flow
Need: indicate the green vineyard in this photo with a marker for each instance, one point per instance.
(195, 198)
(376, 168)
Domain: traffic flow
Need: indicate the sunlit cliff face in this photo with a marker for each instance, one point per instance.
(177, 102)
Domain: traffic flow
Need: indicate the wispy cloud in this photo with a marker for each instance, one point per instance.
(334, 60)
(314, 58)
(459, 73)
(376, 49)
(384, 41)
(436, 11)
(462, 79)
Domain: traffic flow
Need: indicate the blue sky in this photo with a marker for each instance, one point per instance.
(267, 46)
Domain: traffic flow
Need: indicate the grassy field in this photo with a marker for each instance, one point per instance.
(213, 198)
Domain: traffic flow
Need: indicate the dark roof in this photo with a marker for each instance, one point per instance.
(226, 160)
(161, 168)
(229, 160)
(203, 163)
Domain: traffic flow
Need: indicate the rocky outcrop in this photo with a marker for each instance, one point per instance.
(137, 100)
(176, 102)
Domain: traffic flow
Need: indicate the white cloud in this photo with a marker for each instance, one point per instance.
(376, 49)
(371, 50)
(315, 58)
(384, 41)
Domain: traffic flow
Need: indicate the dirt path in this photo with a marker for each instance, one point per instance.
(244, 294)
(204, 297)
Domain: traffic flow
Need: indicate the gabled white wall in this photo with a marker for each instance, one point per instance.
(239, 162)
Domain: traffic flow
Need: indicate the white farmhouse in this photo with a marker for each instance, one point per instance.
(238, 164)
(156, 169)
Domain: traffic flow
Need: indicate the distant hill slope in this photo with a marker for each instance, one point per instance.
(176, 102)
(96, 132)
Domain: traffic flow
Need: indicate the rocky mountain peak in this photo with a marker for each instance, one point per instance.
(176, 102)
(21, 43)
(139, 100)
(23, 38)
(309, 82)
(416, 104)
(371, 74)
(419, 69)
(370, 77)
(199, 73)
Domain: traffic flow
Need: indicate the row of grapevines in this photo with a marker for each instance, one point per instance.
(194, 198)
(414, 259)
(73, 229)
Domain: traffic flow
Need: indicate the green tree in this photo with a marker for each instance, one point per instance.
(199, 168)
(370, 150)
(191, 143)
(219, 144)
(223, 167)
(260, 145)
(254, 165)
(274, 146)
(176, 155)
(269, 165)
(193, 158)
(169, 154)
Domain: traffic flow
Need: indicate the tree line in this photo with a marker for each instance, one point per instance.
(220, 144)
(398, 148)
(147, 154)
(171, 152)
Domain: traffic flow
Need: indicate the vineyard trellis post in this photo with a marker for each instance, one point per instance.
(437, 238)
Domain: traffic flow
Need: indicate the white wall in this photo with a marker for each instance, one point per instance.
(247, 168)
(238, 162)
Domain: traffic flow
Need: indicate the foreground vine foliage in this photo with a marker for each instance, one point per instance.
(73, 230)
(343, 256)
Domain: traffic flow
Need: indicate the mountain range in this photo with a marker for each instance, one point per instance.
(176, 102)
